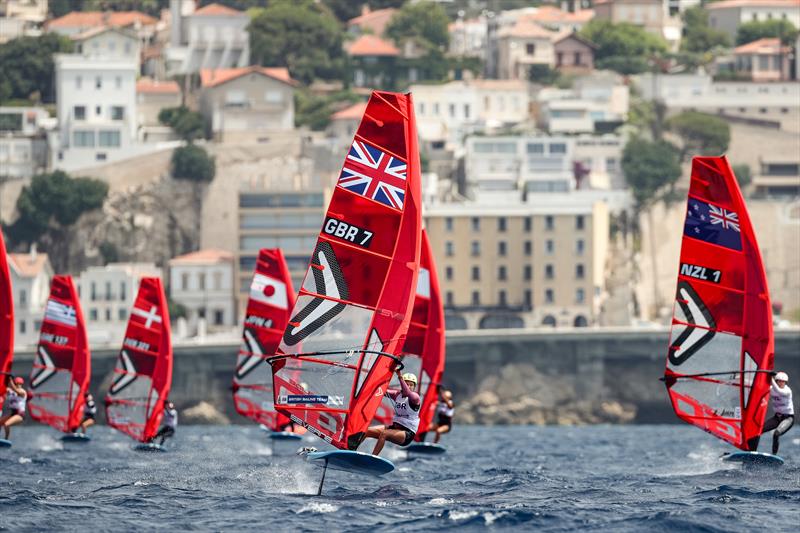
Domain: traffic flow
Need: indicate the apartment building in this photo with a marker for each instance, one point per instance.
(30, 284)
(23, 141)
(728, 15)
(203, 283)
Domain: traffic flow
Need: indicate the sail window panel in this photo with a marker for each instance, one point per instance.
(321, 384)
(58, 383)
(721, 399)
(345, 331)
(137, 390)
(369, 225)
(415, 340)
(54, 405)
(710, 352)
(129, 415)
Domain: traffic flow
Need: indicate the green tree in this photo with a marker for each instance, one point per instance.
(424, 22)
(649, 166)
(758, 29)
(698, 36)
(109, 252)
(193, 163)
(52, 203)
(543, 74)
(622, 47)
(315, 111)
(27, 67)
(176, 310)
(188, 124)
(299, 35)
(743, 175)
(702, 134)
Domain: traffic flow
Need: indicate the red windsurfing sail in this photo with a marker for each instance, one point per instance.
(62, 368)
(271, 299)
(424, 349)
(721, 345)
(350, 320)
(6, 321)
(143, 375)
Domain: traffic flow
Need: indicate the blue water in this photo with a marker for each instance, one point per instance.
(609, 478)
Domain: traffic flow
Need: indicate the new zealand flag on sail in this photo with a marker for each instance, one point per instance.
(713, 224)
(370, 172)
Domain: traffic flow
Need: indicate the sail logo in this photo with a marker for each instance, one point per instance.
(701, 273)
(698, 330)
(370, 172)
(270, 291)
(136, 344)
(293, 399)
(53, 339)
(347, 232)
(258, 321)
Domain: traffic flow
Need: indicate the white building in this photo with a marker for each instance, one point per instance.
(203, 282)
(151, 97)
(23, 141)
(96, 107)
(728, 15)
(27, 10)
(468, 37)
(108, 42)
(107, 293)
(76, 22)
(30, 284)
(212, 37)
(594, 103)
(600, 158)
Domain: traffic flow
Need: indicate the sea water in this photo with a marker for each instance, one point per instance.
(603, 478)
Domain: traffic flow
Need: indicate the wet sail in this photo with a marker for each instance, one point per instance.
(62, 367)
(352, 313)
(6, 321)
(271, 299)
(721, 344)
(143, 375)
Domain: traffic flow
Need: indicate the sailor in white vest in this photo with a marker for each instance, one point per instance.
(781, 397)
(405, 422)
(168, 424)
(16, 402)
(444, 415)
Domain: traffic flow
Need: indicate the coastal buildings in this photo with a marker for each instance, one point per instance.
(77, 22)
(763, 60)
(151, 97)
(728, 15)
(203, 283)
(23, 141)
(30, 282)
(373, 61)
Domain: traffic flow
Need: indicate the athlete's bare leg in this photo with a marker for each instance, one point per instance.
(440, 430)
(396, 436)
(86, 424)
(12, 420)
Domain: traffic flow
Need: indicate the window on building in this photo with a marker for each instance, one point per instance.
(122, 291)
(501, 248)
(501, 299)
(94, 292)
(579, 246)
(528, 248)
(559, 59)
(108, 314)
(501, 273)
(100, 156)
(549, 271)
(549, 296)
(98, 111)
(117, 112)
(578, 59)
(421, 107)
(449, 299)
(219, 317)
(611, 164)
(93, 314)
(476, 273)
(98, 82)
(476, 224)
(476, 298)
(530, 49)
(122, 314)
(22, 326)
(448, 273)
(201, 281)
(78, 82)
(535, 148)
(580, 222)
(501, 224)
(549, 223)
(558, 148)
(579, 271)
(79, 112)
(466, 111)
(528, 298)
(108, 291)
(118, 82)
(549, 246)
(452, 110)
(185, 281)
(201, 312)
(448, 224)
(528, 224)
(127, 49)
(475, 249)
(580, 296)
(108, 138)
(23, 297)
(436, 109)
(527, 272)
(217, 277)
(449, 249)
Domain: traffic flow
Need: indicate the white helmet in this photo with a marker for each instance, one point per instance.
(782, 376)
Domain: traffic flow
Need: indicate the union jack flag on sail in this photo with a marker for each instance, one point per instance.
(371, 172)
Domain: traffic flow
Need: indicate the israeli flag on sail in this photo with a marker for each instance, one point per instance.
(713, 224)
(60, 313)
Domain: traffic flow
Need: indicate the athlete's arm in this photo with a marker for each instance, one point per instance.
(413, 397)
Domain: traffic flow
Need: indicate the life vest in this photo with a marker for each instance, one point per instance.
(404, 414)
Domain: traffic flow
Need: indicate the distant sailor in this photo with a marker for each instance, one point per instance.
(16, 400)
(168, 424)
(89, 412)
(444, 415)
(781, 397)
(406, 415)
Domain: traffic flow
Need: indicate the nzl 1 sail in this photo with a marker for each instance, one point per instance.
(62, 368)
(6, 321)
(271, 299)
(424, 349)
(143, 375)
(350, 321)
(721, 345)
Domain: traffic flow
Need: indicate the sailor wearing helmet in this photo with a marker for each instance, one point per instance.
(406, 415)
(781, 397)
(16, 400)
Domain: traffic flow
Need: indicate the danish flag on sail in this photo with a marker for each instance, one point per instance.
(6, 321)
(143, 375)
(352, 313)
(62, 368)
(721, 346)
(271, 299)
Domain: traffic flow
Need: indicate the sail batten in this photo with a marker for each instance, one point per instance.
(722, 318)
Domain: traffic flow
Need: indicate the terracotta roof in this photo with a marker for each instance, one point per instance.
(553, 14)
(214, 77)
(88, 19)
(370, 45)
(762, 46)
(525, 27)
(202, 256)
(353, 112)
(218, 10)
(27, 267)
(567, 34)
(752, 3)
(376, 21)
(150, 86)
